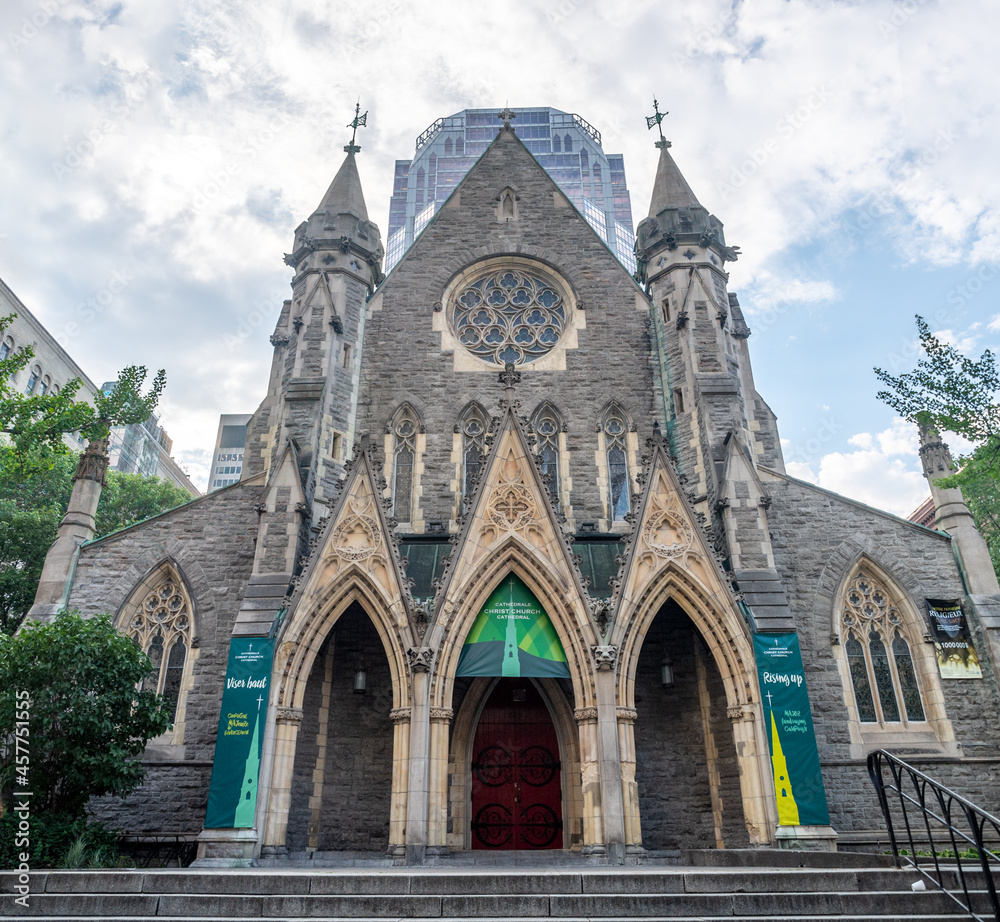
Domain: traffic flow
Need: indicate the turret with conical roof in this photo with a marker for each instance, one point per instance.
(311, 401)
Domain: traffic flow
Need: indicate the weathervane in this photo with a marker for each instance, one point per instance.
(507, 115)
(652, 120)
(359, 121)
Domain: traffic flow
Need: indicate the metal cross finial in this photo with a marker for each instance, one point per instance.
(359, 121)
(508, 378)
(652, 120)
(507, 115)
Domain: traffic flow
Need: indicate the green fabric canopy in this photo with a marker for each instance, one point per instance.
(513, 636)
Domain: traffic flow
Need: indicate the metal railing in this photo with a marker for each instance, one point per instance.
(942, 823)
(158, 851)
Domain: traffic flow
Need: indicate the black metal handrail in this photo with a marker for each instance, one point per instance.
(158, 851)
(958, 821)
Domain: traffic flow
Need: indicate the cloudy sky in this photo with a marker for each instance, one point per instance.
(849, 148)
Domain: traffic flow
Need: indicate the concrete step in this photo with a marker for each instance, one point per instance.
(626, 893)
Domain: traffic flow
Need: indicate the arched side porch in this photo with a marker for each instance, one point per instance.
(726, 639)
(298, 648)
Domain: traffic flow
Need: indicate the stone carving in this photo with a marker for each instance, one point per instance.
(93, 464)
(442, 714)
(399, 715)
(605, 656)
(583, 714)
(357, 536)
(420, 659)
(628, 715)
(666, 533)
(288, 715)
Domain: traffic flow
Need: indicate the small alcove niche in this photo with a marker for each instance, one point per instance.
(507, 209)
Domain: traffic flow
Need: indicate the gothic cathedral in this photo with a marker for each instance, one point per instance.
(514, 563)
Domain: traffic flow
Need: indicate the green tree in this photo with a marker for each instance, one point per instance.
(35, 424)
(130, 498)
(952, 393)
(33, 500)
(87, 723)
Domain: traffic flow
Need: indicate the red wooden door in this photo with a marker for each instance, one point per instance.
(516, 789)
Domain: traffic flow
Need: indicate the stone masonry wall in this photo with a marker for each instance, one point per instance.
(817, 537)
(211, 542)
(402, 352)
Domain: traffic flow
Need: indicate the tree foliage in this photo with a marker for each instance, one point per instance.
(952, 393)
(88, 724)
(33, 500)
(35, 424)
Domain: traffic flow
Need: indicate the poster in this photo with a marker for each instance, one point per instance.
(232, 795)
(512, 636)
(798, 781)
(956, 657)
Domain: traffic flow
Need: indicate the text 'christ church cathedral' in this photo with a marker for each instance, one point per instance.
(514, 562)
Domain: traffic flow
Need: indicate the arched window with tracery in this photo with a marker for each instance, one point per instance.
(404, 428)
(547, 424)
(162, 626)
(473, 428)
(879, 658)
(615, 428)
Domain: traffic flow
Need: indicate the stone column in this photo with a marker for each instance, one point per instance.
(400, 718)
(612, 805)
(287, 724)
(759, 811)
(77, 526)
(630, 790)
(590, 781)
(418, 785)
(437, 823)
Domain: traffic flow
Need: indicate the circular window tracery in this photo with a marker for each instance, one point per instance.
(508, 316)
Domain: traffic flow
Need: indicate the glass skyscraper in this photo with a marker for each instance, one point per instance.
(567, 147)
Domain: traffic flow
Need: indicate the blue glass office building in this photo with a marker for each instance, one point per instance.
(567, 147)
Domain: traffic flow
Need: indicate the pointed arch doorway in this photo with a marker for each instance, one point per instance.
(516, 772)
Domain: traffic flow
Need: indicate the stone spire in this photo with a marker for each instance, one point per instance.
(952, 515)
(344, 195)
(78, 526)
(670, 188)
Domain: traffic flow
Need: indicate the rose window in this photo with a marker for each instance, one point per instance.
(508, 316)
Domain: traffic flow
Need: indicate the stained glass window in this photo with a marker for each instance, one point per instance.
(547, 427)
(859, 678)
(883, 661)
(508, 316)
(618, 476)
(161, 626)
(474, 427)
(404, 428)
(907, 679)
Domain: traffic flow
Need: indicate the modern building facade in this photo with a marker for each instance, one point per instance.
(567, 147)
(51, 366)
(472, 591)
(227, 455)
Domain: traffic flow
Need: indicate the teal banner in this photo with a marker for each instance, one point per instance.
(798, 782)
(232, 795)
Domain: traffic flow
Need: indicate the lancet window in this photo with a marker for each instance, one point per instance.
(162, 628)
(547, 425)
(404, 427)
(883, 677)
(615, 439)
(473, 426)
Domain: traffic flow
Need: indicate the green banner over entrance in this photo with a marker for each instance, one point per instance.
(798, 781)
(232, 795)
(513, 636)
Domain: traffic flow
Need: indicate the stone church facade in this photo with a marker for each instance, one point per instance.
(509, 404)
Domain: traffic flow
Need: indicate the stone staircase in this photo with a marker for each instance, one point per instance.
(750, 893)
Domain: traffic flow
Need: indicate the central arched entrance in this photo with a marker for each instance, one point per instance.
(516, 772)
